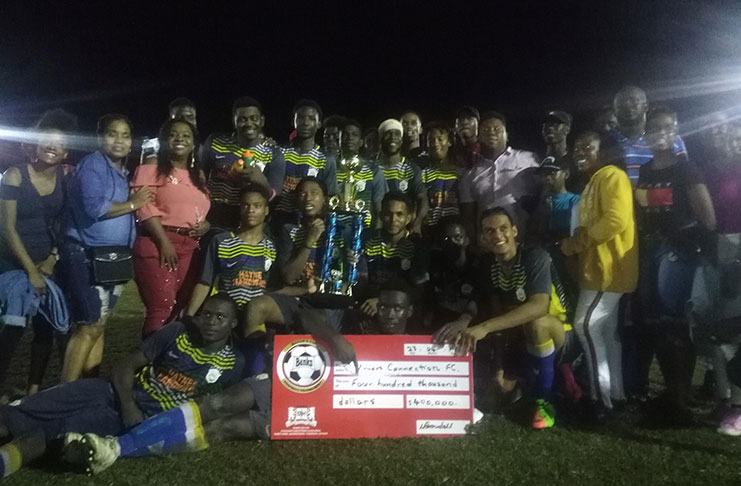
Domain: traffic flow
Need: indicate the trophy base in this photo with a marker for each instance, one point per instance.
(329, 301)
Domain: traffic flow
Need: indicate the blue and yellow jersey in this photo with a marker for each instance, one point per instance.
(222, 151)
(404, 176)
(240, 269)
(382, 262)
(531, 273)
(313, 163)
(179, 371)
(293, 237)
(442, 193)
(370, 187)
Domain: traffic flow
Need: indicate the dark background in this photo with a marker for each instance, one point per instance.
(368, 62)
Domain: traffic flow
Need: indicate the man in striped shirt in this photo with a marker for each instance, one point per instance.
(516, 289)
(301, 249)
(263, 163)
(370, 184)
(402, 174)
(440, 177)
(304, 158)
(631, 107)
(182, 362)
(390, 254)
(239, 263)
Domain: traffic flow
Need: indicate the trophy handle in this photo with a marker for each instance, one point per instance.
(359, 205)
(334, 201)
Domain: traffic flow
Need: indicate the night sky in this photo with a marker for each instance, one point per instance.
(366, 62)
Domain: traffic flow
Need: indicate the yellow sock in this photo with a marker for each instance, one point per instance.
(10, 460)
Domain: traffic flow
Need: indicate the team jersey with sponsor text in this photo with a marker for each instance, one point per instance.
(442, 192)
(223, 151)
(370, 187)
(293, 237)
(238, 268)
(404, 176)
(313, 163)
(382, 262)
(179, 371)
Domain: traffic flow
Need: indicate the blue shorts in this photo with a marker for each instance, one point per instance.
(81, 406)
(88, 302)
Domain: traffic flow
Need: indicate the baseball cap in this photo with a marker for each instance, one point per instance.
(558, 117)
(551, 164)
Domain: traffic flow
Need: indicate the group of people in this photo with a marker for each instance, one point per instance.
(560, 272)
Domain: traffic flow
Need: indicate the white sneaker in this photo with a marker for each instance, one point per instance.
(731, 423)
(104, 451)
(71, 437)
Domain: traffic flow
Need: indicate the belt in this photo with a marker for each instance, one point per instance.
(172, 229)
(176, 229)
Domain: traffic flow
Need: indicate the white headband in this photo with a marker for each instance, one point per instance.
(390, 124)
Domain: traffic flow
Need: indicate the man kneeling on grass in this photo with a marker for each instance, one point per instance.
(181, 362)
(519, 288)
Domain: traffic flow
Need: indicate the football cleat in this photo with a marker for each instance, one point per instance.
(544, 415)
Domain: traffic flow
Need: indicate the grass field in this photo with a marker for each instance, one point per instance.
(500, 451)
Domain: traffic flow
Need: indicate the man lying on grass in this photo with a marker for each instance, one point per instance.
(183, 361)
(240, 412)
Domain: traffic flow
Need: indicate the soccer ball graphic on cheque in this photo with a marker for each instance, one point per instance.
(304, 366)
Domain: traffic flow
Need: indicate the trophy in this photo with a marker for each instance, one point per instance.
(338, 279)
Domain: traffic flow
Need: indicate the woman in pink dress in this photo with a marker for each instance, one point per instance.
(171, 225)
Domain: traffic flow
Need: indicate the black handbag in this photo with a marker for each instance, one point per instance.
(112, 265)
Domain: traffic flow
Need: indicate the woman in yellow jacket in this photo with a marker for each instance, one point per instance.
(608, 265)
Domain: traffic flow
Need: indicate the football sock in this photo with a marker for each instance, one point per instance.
(543, 357)
(10, 459)
(175, 430)
(20, 451)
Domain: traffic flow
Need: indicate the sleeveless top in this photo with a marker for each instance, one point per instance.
(37, 218)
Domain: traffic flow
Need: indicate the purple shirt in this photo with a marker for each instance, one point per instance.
(725, 189)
